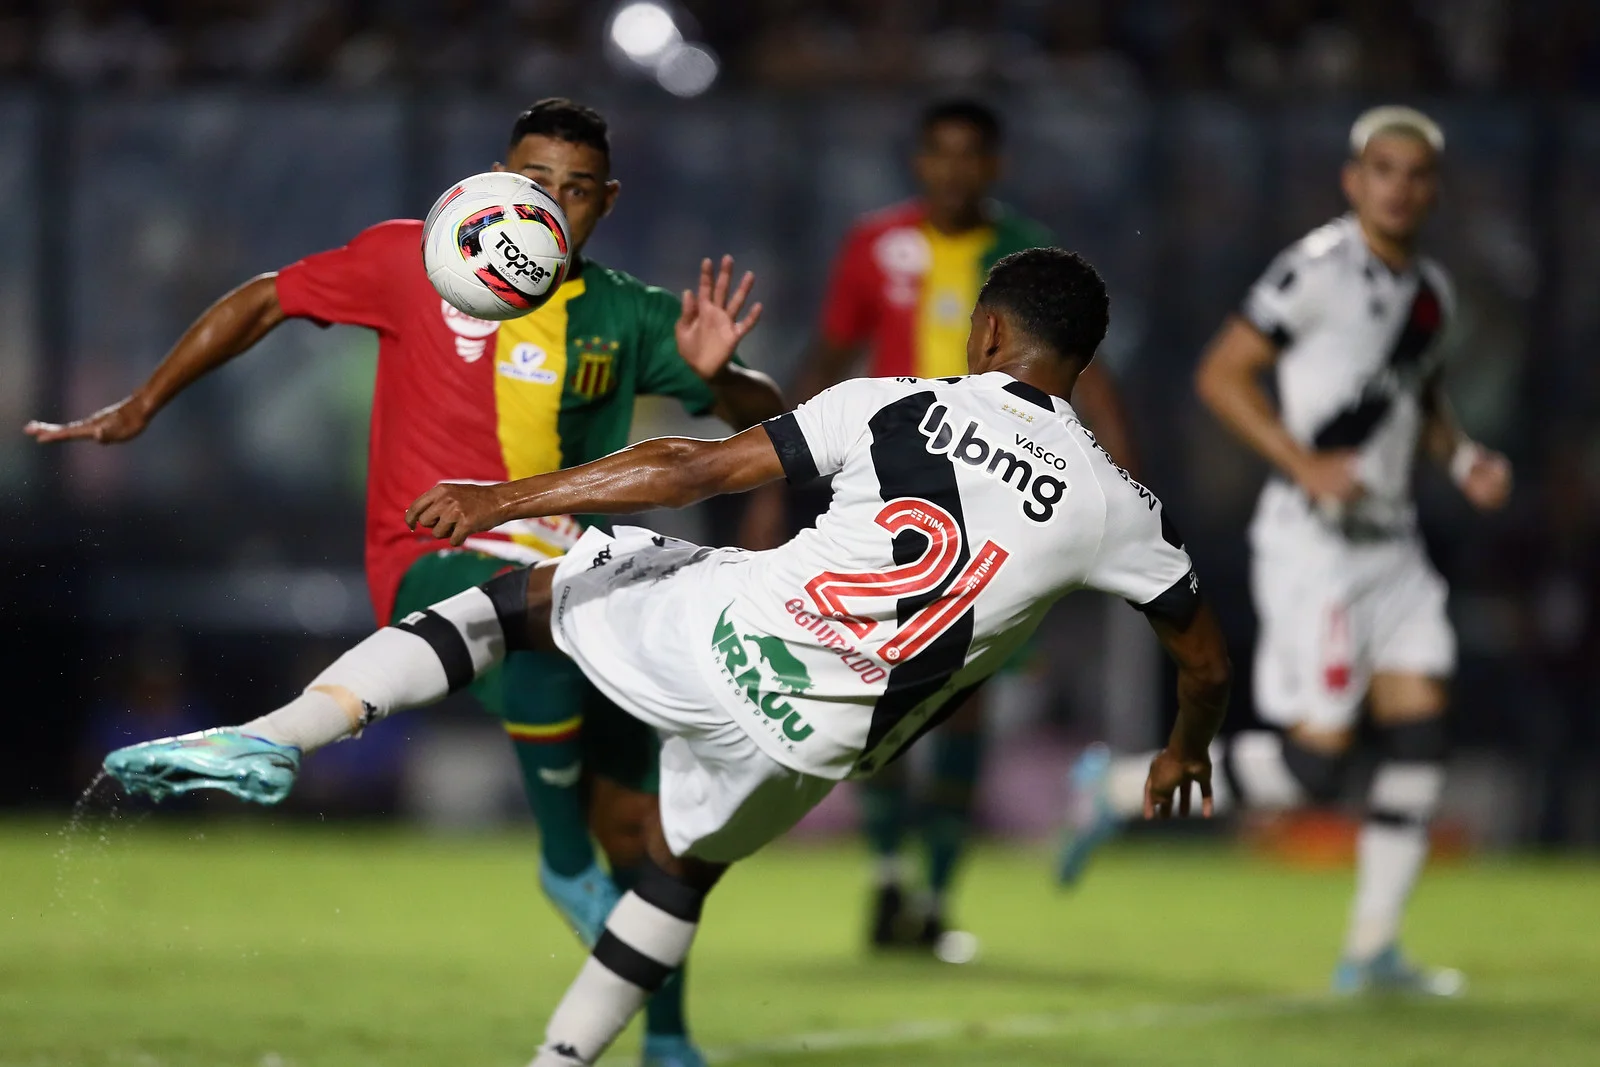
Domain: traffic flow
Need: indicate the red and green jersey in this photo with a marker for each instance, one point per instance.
(906, 290)
(461, 399)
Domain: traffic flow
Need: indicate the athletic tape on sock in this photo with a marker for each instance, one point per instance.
(629, 964)
(463, 631)
(646, 928)
(676, 898)
(508, 593)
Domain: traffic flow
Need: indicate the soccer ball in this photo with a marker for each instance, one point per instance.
(495, 245)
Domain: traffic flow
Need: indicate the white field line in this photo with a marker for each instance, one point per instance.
(1141, 1017)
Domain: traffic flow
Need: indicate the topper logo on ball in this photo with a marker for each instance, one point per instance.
(518, 260)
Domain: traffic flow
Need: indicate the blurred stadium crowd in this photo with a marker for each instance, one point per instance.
(1177, 143)
(1110, 46)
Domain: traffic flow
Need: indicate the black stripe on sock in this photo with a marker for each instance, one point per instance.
(446, 642)
(1399, 820)
(659, 889)
(629, 964)
(508, 593)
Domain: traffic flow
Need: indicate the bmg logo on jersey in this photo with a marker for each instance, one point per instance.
(1042, 492)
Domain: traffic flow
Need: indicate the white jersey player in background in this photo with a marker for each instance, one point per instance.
(1351, 611)
(962, 508)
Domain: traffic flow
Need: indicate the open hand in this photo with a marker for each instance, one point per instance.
(122, 421)
(456, 510)
(710, 328)
(1172, 773)
(1487, 484)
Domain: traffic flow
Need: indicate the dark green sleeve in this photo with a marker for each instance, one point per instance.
(662, 372)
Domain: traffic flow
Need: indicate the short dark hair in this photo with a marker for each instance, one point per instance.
(962, 109)
(565, 120)
(1054, 295)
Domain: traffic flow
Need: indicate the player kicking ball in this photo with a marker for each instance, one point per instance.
(499, 400)
(961, 509)
(1351, 611)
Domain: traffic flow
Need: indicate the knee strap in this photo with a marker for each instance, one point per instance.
(1420, 741)
(1320, 774)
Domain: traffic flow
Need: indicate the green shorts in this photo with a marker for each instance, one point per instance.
(539, 696)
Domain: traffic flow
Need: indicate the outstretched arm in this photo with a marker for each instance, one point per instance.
(668, 472)
(1204, 677)
(228, 327)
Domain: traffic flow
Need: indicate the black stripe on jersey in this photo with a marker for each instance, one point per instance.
(905, 468)
(1031, 393)
(949, 708)
(799, 465)
(1352, 427)
(446, 642)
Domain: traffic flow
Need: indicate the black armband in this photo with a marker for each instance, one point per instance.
(1178, 604)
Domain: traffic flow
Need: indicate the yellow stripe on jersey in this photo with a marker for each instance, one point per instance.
(949, 290)
(530, 364)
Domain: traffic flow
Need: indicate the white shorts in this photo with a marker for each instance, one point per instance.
(1332, 614)
(622, 605)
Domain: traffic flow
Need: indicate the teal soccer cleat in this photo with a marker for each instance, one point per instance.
(583, 899)
(1090, 820)
(251, 768)
(1390, 972)
(670, 1050)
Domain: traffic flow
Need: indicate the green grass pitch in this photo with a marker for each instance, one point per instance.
(172, 943)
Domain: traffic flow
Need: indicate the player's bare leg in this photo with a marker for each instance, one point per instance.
(645, 941)
(1408, 711)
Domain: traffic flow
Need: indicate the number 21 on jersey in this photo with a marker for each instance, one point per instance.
(927, 572)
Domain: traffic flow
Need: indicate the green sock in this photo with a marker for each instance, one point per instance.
(885, 813)
(947, 812)
(541, 698)
(663, 1013)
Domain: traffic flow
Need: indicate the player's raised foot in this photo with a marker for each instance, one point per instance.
(670, 1050)
(1090, 820)
(251, 768)
(583, 899)
(1390, 972)
(891, 925)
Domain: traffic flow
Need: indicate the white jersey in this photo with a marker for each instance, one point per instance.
(962, 508)
(1357, 344)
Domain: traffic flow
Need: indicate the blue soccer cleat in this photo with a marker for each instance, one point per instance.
(1090, 820)
(251, 768)
(1390, 972)
(583, 899)
(670, 1050)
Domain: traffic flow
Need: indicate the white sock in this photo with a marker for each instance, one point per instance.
(1390, 852)
(428, 655)
(642, 944)
(1264, 779)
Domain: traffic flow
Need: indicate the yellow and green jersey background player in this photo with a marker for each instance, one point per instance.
(466, 400)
